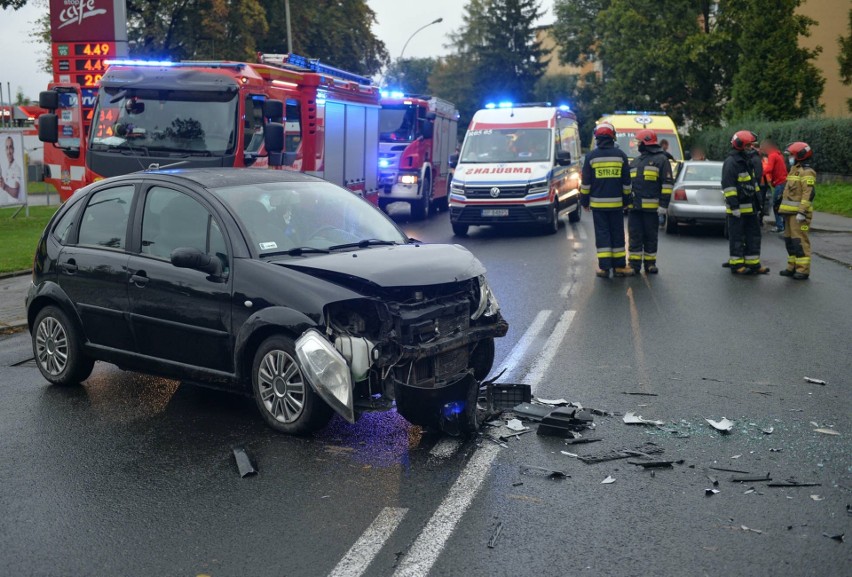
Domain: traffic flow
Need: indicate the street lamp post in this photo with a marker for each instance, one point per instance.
(404, 46)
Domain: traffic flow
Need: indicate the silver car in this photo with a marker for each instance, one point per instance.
(697, 195)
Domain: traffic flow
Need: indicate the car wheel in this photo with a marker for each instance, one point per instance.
(420, 209)
(460, 229)
(482, 359)
(281, 391)
(671, 224)
(552, 226)
(58, 348)
(576, 215)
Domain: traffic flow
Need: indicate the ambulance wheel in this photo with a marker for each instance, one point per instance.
(552, 226)
(460, 229)
(576, 215)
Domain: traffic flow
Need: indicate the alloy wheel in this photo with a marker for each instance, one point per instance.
(51, 346)
(281, 386)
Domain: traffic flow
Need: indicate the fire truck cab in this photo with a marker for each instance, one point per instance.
(417, 134)
(284, 111)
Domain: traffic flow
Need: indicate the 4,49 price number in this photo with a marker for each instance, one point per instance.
(89, 49)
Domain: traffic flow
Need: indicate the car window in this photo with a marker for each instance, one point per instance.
(104, 221)
(172, 219)
(703, 172)
(62, 229)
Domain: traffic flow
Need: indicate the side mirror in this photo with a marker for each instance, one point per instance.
(48, 127)
(48, 99)
(188, 257)
(454, 160)
(563, 158)
(273, 109)
(273, 140)
(427, 130)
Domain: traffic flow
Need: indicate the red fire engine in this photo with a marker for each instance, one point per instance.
(284, 111)
(417, 135)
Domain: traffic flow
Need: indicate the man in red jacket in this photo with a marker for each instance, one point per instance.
(775, 172)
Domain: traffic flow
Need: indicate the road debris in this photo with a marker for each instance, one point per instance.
(838, 537)
(551, 473)
(793, 483)
(492, 542)
(563, 421)
(575, 455)
(552, 402)
(764, 393)
(724, 426)
(826, 431)
(643, 451)
(815, 381)
(768, 430)
(713, 480)
(713, 380)
(532, 412)
(730, 470)
(744, 528)
(581, 441)
(778, 450)
(640, 394)
(817, 498)
(608, 481)
(710, 492)
(751, 479)
(244, 464)
(517, 484)
(736, 456)
(749, 491)
(632, 418)
(652, 464)
(515, 425)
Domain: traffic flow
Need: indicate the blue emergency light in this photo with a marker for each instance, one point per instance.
(384, 163)
(504, 104)
(490, 106)
(139, 63)
(564, 108)
(393, 94)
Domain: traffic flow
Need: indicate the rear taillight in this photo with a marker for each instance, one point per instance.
(680, 194)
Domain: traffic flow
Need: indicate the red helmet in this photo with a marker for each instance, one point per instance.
(647, 137)
(743, 139)
(605, 130)
(800, 150)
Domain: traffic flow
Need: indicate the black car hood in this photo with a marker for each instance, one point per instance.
(392, 266)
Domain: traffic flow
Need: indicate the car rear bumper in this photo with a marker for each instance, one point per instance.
(696, 212)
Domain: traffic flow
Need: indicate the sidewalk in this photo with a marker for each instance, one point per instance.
(824, 222)
(13, 291)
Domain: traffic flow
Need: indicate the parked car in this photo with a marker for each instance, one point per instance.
(272, 283)
(697, 195)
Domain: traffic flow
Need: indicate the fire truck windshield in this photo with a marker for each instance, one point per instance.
(397, 124)
(507, 145)
(192, 122)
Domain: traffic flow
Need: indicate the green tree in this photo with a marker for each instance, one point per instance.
(13, 4)
(845, 59)
(577, 31)
(410, 74)
(776, 78)
(581, 93)
(20, 97)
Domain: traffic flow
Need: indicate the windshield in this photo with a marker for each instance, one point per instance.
(627, 143)
(703, 172)
(191, 122)
(281, 216)
(507, 145)
(397, 124)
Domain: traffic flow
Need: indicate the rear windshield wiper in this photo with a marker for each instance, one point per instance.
(298, 251)
(363, 244)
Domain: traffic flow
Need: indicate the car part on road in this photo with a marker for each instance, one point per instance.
(646, 449)
(793, 483)
(652, 464)
(563, 422)
(508, 395)
(582, 441)
(58, 348)
(723, 426)
(634, 419)
(492, 542)
(532, 412)
(815, 381)
(751, 478)
(608, 481)
(640, 394)
(244, 463)
(551, 473)
(713, 480)
(730, 470)
(826, 431)
(710, 492)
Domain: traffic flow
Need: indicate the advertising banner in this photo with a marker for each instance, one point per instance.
(83, 20)
(13, 177)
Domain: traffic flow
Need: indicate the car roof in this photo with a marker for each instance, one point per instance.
(705, 162)
(225, 177)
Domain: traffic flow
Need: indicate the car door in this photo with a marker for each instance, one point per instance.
(92, 270)
(180, 315)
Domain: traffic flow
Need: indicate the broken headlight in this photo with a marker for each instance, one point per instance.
(327, 372)
(487, 304)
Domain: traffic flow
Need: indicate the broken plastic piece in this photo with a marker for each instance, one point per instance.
(608, 481)
(826, 431)
(552, 473)
(562, 421)
(792, 483)
(751, 479)
(644, 450)
(518, 484)
(817, 498)
(768, 430)
(724, 425)
(640, 394)
(515, 425)
(775, 450)
(492, 542)
(507, 395)
(815, 381)
(713, 480)
(744, 528)
(730, 470)
(581, 441)
(710, 492)
(749, 491)
(634, 419)
(244, 463)
(838, 537)
(652, 464)
(532, 412)
(553, 402)
(569, 454)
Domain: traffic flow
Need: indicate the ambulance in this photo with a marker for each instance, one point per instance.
(519, 163)
(628, 122)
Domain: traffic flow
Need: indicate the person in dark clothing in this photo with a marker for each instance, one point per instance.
(651, 175)
(604, 190)
(739, 186)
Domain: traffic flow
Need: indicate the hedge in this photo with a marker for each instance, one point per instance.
(830, 138)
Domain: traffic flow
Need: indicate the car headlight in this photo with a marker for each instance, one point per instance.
(407, 179)
(488, 304)
(327, 372)
(457, 188)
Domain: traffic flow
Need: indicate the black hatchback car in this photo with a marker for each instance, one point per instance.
(272, 283)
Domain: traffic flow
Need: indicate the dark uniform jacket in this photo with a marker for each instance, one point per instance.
(651, 174)
(738, 182)
(799, 192)
(606, 178)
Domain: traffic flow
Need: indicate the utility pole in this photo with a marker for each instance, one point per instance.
(289, 30)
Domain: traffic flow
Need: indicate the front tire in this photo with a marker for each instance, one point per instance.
(420, 209)
(58, 348)
(460, 229)
(552, 226)
(282, 393)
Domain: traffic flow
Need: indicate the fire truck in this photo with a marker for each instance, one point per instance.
(417, 135)
(284, 111)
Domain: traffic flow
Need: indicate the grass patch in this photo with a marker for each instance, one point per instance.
(835, 198)
(19, 236)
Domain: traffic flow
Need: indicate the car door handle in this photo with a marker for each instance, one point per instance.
(69, 267)
(139, 278)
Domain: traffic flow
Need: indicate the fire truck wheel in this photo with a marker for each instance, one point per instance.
(420, 209)
(460, 229)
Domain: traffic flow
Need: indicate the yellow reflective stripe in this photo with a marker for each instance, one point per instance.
(667, 190)
(746, 210)
(791, 258)
(618, 204)
(730, 193)
(652, 176)
(626, 189)
(809, 180)
(647, 203)
(632, 173)
(752, 261)
(635, 257)
(605, 254)
(793, 178)
(617, 254)
(605, 164)
(736, 260)
(803, 260)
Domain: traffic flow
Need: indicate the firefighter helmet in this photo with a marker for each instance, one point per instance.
(605, 130)
(800, 150)
(647, 137)
(743, 139)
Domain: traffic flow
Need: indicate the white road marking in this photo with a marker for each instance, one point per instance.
(578, 245)
(365, 549)
(569, 230)
(429, 544)
(550, 349)
(446, 447)
(523, 344)
(583, 235)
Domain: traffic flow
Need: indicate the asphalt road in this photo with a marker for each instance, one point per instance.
(133, 475)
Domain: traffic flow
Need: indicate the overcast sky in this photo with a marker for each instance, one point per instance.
(397, 21)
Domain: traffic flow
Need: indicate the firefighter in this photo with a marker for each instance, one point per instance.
(605, 191)
(797, 211)
(651, 174)
(739, 185)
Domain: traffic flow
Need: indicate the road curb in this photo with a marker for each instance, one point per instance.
(15, 273)
(833, 259)
(13, 327)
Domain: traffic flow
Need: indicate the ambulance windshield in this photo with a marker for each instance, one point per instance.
(189, 122)
(627, 143)
(507, 145)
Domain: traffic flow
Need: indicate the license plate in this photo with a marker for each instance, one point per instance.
(495, 212)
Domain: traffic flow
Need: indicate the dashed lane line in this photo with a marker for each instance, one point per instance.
(550, 349)
(520, 349)
(446, 447)
(359, 557)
